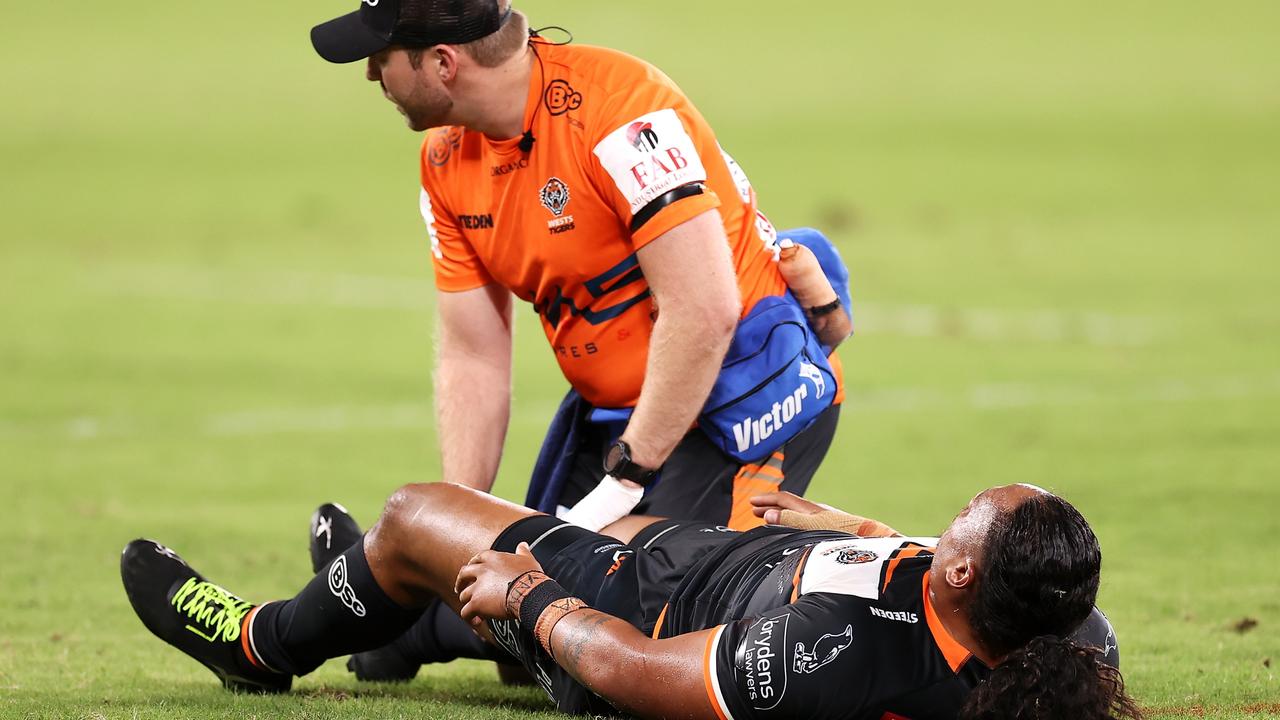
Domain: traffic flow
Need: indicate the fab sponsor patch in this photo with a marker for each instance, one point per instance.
(649, 157)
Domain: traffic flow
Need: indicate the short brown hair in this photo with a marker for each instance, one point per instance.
(493, 49)
(496, 48)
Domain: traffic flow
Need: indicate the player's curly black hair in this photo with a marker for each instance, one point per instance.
(1041, 581)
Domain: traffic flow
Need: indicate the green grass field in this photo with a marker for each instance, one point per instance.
(216, 308)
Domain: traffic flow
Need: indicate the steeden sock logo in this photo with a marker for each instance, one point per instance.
(338, 586)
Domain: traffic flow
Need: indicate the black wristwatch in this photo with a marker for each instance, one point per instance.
(618, 463)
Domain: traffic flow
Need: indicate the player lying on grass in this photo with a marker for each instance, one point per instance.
(688, 620)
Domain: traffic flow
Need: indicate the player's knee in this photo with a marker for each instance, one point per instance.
(414, 504)
(403, 509)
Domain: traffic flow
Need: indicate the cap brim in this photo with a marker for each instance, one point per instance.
(346, 39)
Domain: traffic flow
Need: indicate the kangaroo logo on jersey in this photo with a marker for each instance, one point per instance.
(824, 651)
(810, 372)
(554, 196)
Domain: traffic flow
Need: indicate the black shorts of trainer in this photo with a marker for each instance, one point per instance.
(632, 582)
(698, 482)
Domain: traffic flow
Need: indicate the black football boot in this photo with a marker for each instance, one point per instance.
(192, 614)
(333, 530)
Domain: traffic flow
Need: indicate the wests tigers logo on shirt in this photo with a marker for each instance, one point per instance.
(855, 557)
(554, 196)
(851, 554)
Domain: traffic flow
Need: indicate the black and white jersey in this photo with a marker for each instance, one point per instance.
(822, 625)
(807, 624)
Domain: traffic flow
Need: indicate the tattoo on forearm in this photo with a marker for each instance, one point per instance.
(576, 637)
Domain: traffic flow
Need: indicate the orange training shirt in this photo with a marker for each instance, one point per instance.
(560, 226)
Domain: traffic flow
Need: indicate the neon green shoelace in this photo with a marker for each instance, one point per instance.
(212, 612)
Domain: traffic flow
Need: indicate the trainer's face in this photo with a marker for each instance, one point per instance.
(418, 93)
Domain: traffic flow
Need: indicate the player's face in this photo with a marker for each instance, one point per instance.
(416, 92)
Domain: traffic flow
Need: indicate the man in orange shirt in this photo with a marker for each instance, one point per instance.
(583, 181)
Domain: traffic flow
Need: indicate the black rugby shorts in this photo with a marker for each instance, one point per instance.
(629, 581)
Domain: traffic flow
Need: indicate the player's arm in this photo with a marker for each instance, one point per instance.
(784, 508)
(639, 675)
(473, 382)
(690, 273)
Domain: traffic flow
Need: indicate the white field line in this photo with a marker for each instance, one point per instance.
(406, 293)
(988, 397)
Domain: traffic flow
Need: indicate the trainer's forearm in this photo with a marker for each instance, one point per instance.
(685, 353)
(473, 408)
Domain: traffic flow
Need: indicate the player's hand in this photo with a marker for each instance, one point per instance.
(770, 506)
(482, 582)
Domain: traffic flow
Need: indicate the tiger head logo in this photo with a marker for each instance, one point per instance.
(855, 556)
(554, 196)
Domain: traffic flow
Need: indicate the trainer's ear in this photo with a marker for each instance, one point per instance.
(448, 65)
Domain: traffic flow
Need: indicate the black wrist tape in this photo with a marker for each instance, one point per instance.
(821, 310)
(542, 595)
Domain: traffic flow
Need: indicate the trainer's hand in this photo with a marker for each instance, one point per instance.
(482, 582)
(770, 506)
(609, 502)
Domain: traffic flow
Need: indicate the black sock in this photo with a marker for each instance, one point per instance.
(341, 611)
(440, 635)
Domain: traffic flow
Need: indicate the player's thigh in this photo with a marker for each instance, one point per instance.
(626, 528)
(428, 531)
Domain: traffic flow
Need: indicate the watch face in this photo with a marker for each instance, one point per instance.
(613, 459)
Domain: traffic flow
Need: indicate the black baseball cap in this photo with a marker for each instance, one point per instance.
(379, 24)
